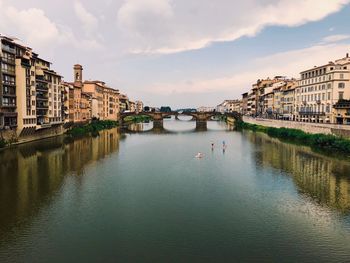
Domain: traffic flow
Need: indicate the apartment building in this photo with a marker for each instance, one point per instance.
(110, 104)
(31, 92)
(124, 103)
(268, 99)
(139, 106)
(341, 111)
(95, 90)
(236, 106)
(132, 106)
(8, 102)
(288, 99)
(320, 89)
(205, 109)
(105, 104)
(77, 104)
(244, 103)
(48, 94)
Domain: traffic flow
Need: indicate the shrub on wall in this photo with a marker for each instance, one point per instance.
(322, 141)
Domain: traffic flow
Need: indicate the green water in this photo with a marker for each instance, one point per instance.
(143, 197)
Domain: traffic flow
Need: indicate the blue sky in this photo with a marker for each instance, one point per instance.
(181, 53)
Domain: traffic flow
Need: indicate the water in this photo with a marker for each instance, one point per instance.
(143, 197)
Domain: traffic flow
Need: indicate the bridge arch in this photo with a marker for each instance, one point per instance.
(201, 118)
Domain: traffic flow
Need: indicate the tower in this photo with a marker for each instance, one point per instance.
(78, 75)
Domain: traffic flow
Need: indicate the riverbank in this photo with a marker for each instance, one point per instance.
(321, 141)
(138, 118)
(91, 128)
(308, 127)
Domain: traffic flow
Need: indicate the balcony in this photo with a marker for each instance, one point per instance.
(42, 98)
(40, 78)
(9, 61)
(316, 113)
(8, 49)
(8, 72)
(13, 105)
(9, 94)
(42, 86)
(318, 101)
(42, 106)
(8, 83)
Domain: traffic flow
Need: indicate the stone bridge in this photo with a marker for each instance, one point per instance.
(201, 118)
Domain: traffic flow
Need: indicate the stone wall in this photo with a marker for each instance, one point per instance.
(338, 130)
(12, 137)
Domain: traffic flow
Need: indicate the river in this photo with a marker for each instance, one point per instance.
(144, 197)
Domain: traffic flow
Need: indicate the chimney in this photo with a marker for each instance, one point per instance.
(347, 55)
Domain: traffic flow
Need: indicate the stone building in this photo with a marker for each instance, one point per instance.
(139, 106)
(320, 89)
(30, 91)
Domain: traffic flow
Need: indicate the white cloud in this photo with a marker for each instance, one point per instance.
(36, 29)
(32, 24)
(335, 38)
(288, 64)
(89, 21)
(164, 26)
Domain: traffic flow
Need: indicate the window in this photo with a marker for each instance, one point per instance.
(341, 95)
(329, 96)
(341, 85)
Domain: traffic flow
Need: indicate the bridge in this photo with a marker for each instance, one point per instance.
(201, 118)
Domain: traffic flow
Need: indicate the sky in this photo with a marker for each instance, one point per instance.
(181, 53)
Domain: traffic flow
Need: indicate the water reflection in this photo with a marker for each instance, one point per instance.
(31, 174)
(326, 180)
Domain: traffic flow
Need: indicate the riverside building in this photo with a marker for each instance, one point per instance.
(30, 91)
(320, 89)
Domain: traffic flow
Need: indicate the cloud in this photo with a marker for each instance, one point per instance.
(164, 26)
(335, 38)
(31, 23)
(288, 64)
(89, 21)
(36, 29)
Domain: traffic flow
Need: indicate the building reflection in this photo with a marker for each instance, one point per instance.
(31, 174)
(324, 179)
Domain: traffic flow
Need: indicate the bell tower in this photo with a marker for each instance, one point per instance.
(78, 75)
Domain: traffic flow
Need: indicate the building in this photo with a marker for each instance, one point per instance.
(110, 104)
(244, 103)
(8, 89)
(124, 103)
(320, 89)
(31, 92)
(236, 106)
(205, 109)
(341, 112)
(288, 100)
(77, 104)
(105, 101)
(229, 106)
(139, 106)
(132, 106)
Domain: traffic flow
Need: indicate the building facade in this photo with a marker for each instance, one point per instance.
(30, 91)
(320, 89)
